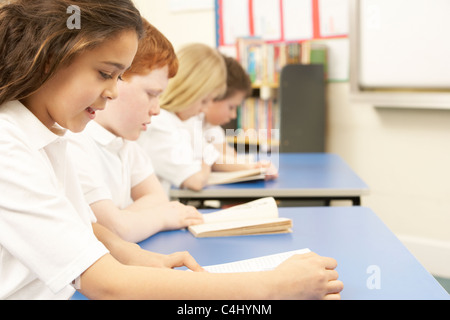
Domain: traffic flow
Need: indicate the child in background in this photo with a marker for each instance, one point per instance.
(201, 78)
(54, 79)
(116, 175)
(221, 112)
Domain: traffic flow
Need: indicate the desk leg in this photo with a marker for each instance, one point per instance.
(356, 201)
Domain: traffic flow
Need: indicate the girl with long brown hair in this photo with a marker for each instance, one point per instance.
(54, 78)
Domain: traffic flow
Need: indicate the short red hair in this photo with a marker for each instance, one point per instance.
(154, 51)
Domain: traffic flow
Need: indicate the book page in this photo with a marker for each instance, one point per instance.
(298, 20)
(258, 209)
(235, 176)
(235, 20)
(265, 263)
(267, 19)
(242, 224)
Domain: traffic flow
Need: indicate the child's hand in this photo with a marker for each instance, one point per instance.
(144, 258)
(272, 171)
(182, 259)
(309, 276)
(177, 215)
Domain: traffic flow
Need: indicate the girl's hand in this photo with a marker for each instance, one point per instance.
(144, 258)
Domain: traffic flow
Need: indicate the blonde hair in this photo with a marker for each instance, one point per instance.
(201, 72)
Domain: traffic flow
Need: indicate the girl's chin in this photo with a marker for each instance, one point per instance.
(77, 127)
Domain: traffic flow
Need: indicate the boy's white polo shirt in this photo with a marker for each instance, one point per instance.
(168, 143)
(46, 237)
(108, 166)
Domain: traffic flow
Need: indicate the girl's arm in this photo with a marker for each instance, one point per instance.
(301, 277)
(128, 253)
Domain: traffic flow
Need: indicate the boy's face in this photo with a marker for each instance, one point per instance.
(138, 101)
(73, 94)
(222, 112)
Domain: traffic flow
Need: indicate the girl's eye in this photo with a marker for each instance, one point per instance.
(105, 75)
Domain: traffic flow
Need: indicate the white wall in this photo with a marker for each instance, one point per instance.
(403, 155)
(180, 28)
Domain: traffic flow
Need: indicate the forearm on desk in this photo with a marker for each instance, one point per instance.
(108, 279)
(198, 180)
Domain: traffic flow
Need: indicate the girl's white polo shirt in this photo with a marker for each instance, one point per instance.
(108, 166)
(168, 143)
(46, 237)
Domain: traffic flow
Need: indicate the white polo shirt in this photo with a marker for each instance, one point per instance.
(168, 143)
(211, 134)
(108, 166)
(46, 237)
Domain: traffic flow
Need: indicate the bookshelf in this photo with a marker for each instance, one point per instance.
(258, 123)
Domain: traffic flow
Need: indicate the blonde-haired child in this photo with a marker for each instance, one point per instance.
(220, 113)
(54, 79)
(177, 160)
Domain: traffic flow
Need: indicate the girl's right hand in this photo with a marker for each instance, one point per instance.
(309, 277)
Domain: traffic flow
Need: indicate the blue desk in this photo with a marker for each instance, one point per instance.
(302, 176)
(354, 236)
(363, 246)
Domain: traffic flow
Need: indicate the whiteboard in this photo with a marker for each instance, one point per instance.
(404, 44)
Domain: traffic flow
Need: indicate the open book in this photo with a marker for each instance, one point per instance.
(265, 263)
(236, 176)
(253, 218)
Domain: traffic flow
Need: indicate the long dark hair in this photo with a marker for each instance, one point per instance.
(35, 39)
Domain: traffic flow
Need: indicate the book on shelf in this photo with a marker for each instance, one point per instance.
(315, 53)
(218, 177)
(253, 218)
(258, 115)
(264, 61)
(259, 118)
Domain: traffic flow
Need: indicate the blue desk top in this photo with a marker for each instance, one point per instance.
(363, 246)
(300, 174)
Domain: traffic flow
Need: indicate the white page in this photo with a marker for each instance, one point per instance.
(267, 19)
(229, 225)
(235, 20)
(298, 20)
(258, 209)
(265, 263)
(334, 17)
(218, 177)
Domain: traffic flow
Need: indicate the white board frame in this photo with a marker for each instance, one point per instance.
(386, 98)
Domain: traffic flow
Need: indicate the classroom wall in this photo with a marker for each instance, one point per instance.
(403, 155)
